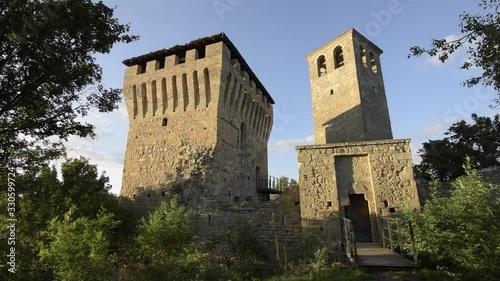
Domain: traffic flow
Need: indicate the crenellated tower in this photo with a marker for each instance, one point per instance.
(347, 89)
(199, 123)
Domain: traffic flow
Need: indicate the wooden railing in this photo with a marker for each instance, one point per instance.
(397, 235)
(349, 239)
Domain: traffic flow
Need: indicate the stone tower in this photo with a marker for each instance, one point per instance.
(347, 88)
(355, 170)
(199, 123)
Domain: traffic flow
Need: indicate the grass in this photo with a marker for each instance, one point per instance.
(421, 275)
(337, 273)
(347, 273)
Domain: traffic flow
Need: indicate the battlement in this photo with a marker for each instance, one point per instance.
(189, 52)
(187, 78)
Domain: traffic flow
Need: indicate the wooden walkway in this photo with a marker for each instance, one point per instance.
(372, 254)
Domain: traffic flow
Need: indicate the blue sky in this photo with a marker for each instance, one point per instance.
(424, 96)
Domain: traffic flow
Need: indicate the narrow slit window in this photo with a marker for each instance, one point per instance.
(243, 135)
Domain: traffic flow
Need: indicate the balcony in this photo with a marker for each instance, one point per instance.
(271, 185)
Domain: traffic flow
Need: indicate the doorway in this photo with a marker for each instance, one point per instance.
(359, 213)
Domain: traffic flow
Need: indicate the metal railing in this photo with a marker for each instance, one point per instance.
(397, 235)
(271, 184)
(349, 239)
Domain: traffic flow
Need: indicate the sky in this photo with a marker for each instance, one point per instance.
(424, 95)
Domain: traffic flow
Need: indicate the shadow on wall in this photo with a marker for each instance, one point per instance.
(275, 226)
(351, 119)
(191, 189)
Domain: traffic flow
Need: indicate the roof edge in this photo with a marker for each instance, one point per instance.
(178, 49)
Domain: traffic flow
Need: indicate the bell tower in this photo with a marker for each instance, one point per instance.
(347, 88)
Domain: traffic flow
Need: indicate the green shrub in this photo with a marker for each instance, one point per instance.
(78, 248)
(461, 233)
(166, 245)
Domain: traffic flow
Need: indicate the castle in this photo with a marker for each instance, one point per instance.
(200, 120)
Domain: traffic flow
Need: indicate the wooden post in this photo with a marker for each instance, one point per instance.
(390, 233)
(354, 244)
(383, 231)
(399, 237)
(414, 249)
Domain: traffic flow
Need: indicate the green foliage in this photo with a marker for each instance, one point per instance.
(49, 75)
(481, 38)
(322, 261)
(444, 159)
(421, 275)
(42, 196)
(337, 272)
(166, 244)
(461, 233)
(235, 253)
(79, 248)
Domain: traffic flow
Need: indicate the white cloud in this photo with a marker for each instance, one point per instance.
(414, 147)
(110, 162)
(289, 144)
(434, 129)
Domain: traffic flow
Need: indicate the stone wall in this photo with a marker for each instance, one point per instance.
(276, 219)
(491, 174)
(381, 170)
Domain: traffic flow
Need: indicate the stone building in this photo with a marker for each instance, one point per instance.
(200, 120)
(355, 169)
(199, 123)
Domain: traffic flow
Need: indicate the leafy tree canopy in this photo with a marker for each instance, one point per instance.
(481, 36)
(444, 159)
(48, 73)
(42, 195)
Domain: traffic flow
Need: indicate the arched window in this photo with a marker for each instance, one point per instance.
(362, 55)
(164, 122)
(338, 56)
(321, 66)
(243, 135)
(373, 63)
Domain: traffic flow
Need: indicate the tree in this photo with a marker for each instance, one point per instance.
(79, 248)
(49, 76)
(166, 242)
(42, 196)
(481, 34)
(444, 159)
(461, 233)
